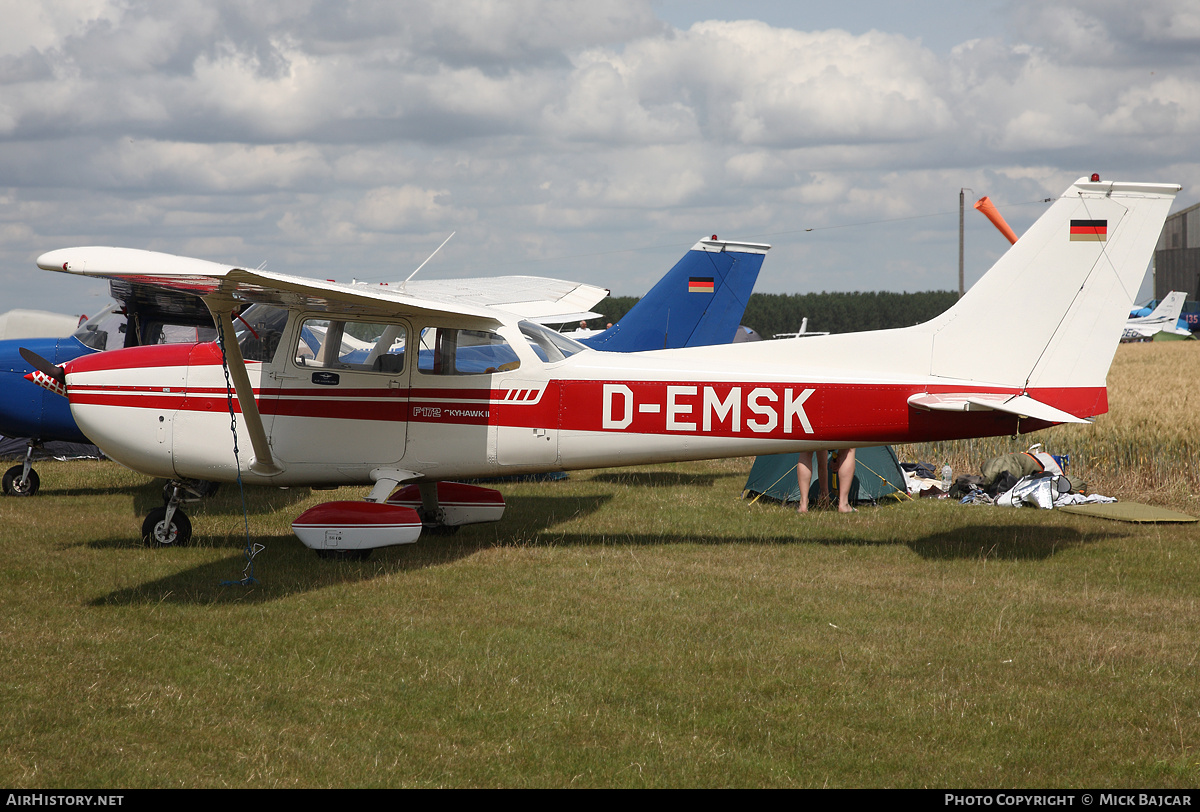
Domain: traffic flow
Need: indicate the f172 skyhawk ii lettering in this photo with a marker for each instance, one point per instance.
(404, 390)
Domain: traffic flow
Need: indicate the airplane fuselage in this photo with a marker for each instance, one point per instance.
(165, 410)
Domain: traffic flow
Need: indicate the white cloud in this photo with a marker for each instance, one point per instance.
(321, 134)
(390, 208)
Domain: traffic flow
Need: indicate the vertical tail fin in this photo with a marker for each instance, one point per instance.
(1167, 312)
(698, 303)
(1062, 292)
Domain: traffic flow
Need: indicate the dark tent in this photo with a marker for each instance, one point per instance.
(14, 448)
(877, 475)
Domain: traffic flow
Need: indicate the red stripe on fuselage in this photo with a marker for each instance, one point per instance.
(752, 410)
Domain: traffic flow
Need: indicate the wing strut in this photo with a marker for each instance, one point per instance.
(263, 463)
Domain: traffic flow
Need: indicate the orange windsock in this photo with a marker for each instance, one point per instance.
(989, 211)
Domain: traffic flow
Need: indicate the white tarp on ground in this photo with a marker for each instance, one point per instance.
(1047, 493)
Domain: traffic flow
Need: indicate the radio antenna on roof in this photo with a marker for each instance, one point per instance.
(439, 248)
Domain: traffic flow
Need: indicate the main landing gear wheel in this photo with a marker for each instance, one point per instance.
(158, 532)
(15, 485)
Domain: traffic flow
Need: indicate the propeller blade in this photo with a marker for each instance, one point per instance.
(42, 365)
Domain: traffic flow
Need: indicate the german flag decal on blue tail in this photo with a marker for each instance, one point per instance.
(700, 284)
(1089, 230)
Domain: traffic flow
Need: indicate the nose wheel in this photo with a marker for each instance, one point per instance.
(168, 526)
(161, 530)
(22, 480)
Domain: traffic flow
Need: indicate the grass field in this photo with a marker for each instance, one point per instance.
(633, 628)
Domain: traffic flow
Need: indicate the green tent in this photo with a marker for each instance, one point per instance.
(877, 475)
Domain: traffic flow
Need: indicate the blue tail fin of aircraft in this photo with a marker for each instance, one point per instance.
(698, 303)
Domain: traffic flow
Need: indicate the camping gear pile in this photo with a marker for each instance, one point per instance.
(1031, 478)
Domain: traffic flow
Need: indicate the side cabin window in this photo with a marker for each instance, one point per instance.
(448, 351)
(353, 345)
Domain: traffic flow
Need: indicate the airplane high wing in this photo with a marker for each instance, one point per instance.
(353, 385)
(525, 296)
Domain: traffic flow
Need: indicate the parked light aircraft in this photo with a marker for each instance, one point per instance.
(1164, 319)
(1189, 319)
(803, 331)
(409, 415)
(698, 302)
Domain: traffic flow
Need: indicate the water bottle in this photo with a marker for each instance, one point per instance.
(947, 476)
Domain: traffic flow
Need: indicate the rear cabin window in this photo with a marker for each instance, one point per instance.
(446, 351)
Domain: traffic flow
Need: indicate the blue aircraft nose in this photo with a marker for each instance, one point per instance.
(26, 409)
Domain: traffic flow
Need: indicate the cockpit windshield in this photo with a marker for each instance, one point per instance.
(103, 331)
(109, 329)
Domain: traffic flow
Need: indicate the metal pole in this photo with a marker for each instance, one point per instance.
(961, 201)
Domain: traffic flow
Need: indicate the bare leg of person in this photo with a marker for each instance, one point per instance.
(804, 479)
(845, 471)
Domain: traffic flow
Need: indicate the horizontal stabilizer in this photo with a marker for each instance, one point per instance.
(1020, 405)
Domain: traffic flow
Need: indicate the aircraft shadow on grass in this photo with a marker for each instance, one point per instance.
(226, 501)
(287, 568)
(1003, 542)
(973, 542)
(53, 491)
(658, 479)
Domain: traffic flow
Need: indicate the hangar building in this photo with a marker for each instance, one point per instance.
(1177, 256)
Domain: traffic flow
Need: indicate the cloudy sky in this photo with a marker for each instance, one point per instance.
(592, 140)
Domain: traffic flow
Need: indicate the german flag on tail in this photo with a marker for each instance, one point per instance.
(700, 284)
(1089, 230)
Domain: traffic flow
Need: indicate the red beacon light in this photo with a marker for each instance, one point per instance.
(714, 238)
(1095, 177)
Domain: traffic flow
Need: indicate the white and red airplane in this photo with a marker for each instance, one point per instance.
(352, 384)
(1163, 319)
